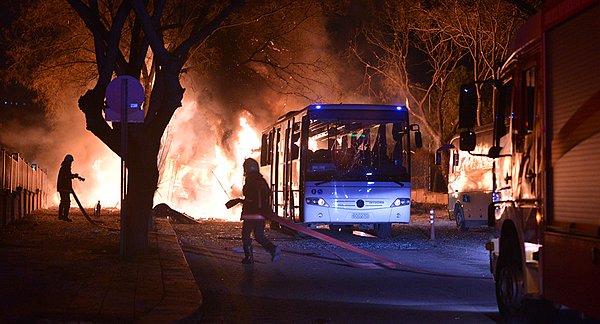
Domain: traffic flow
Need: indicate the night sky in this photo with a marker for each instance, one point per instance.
(9, 8)
(16, 104)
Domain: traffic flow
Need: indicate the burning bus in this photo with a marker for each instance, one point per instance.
(545, 173)
(469, 179)
(341, 165)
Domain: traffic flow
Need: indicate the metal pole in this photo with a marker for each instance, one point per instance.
(432, 221)
(219, 181)
(124, 122)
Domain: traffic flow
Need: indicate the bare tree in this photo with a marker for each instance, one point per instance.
(168, 56)
(278, 50)
(280, 53)
(443, 57)
(483, 29)
(442, 34)
(151, 41)
(88, 42)
(405, 37)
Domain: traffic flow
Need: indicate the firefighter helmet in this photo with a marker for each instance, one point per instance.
(68, 158)
(250, 166)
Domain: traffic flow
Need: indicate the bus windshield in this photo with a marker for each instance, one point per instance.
(358, 151)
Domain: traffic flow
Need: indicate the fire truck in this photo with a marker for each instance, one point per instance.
(546, 162)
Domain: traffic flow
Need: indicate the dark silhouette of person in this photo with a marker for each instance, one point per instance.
(255, 204)
(64, 187)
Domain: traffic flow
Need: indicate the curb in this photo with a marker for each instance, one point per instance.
(182, 299)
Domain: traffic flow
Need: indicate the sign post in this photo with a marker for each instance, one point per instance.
(123, 212)
(124, 97)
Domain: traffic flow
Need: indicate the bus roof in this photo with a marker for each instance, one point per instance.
(354, 107)
(358, 113)
(347, 107)
(351, 112)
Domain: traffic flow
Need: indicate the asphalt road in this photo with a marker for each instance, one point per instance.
(316, 282)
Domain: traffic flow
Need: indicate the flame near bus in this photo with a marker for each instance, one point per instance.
(199, 175)
(201, 171)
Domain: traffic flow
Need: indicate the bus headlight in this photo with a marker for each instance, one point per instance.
(401, 202)
(316, 201)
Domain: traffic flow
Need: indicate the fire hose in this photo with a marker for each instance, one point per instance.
(79, 203)
(299, 228)
(82, 209)
(384, 262)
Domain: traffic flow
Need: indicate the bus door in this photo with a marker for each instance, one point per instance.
(276, 182)
(291, 184)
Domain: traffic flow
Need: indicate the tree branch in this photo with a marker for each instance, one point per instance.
(91, 104)
(90, 17)
(182, 51)
(114, 39)
(148, 25)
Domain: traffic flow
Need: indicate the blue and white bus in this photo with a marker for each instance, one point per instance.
(341, 165)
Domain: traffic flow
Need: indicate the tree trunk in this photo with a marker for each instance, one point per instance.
(141, 184)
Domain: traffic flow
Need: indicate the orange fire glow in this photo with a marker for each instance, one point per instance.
(199, 174)
(199, 182)
(101, 182)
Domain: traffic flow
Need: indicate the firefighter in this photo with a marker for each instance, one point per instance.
(65, 187)
(255, 204)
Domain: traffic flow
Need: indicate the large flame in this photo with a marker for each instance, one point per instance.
(198, 175)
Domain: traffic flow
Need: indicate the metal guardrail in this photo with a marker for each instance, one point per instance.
(23, 187)
(15, 173)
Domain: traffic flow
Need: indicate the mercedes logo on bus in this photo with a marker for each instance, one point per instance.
(360, 203)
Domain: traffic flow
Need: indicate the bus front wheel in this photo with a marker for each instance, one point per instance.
(459, 217)
(383, 230)
(341, 228)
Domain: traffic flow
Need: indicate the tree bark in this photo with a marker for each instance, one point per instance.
(142, 153)
(143, 139)
(142, 181)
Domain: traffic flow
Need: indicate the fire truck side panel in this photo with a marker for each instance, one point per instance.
(574, 97)
(571, 246)
(571, 272)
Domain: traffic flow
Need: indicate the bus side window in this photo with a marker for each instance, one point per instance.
(276, 147)
(296, 141)
(272, 142)
(321, 156)
(264, 150)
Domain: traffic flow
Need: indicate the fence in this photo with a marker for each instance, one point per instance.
(23, 187)
(428, 183)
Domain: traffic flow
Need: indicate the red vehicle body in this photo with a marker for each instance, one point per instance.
(546, 163)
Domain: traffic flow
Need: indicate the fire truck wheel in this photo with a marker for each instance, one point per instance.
(459, 217)
(510, 293)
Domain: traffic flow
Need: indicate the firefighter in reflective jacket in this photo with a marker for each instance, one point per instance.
(65, 187)
(255, 204)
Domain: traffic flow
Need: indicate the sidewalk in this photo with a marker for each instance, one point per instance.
(53, 271)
